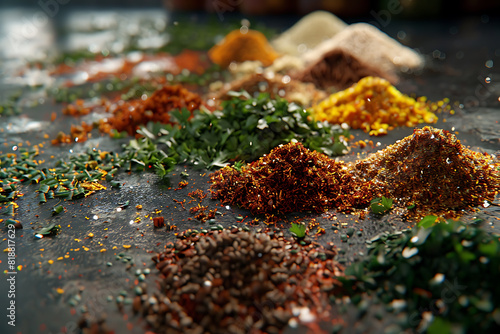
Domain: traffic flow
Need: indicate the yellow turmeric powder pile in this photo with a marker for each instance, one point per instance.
(376, 106)
(240, 46)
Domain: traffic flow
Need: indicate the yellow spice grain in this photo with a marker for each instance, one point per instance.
(376, 106)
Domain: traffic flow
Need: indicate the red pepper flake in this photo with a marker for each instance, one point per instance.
(198, 193)
(180, 202)
(159, 222)
(182, 184)
(128, 116)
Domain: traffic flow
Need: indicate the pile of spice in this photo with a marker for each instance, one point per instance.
(308, 32)
(340, 69)
(376, 106)
(290, 179)
(276, 85)
(129, 116)
(242, 45)
(432, 171)
(370, 45)
(239, 282)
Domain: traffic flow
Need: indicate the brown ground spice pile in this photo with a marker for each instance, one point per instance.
(290, 179)
(372, 46)
(240, 46)
(340, 69)
(434, 171)
(239, 282)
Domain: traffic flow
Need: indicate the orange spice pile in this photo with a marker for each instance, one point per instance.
(240, 46)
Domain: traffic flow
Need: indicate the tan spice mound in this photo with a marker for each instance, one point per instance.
(371, 46)
(277, 86)
(340, 69)
(375, 106)
(308, 32)
(239, 282)
(240, 46)
(290, 179)
(434, 171)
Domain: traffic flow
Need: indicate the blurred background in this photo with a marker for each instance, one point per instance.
(346, 8)
(455, 33)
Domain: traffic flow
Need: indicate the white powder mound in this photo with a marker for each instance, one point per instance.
(307, 33)
(370, 45)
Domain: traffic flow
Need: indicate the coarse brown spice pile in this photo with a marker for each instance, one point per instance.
(240, 282)
(340, 69)
(290, 179)
(434, 171)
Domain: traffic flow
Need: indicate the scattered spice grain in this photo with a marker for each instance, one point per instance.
(158, 222)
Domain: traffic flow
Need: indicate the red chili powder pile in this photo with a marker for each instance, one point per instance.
(289, 179)
(128, 116)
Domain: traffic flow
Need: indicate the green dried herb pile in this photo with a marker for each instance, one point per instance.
(449, 270)
(245, 129)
